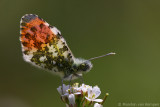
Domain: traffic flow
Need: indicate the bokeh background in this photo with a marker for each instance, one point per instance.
(131, 28)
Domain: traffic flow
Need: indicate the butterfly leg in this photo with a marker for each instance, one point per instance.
(62, 85)
(81, 77)
(70, 81)
(82, 80)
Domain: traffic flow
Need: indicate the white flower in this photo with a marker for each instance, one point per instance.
(76, 95)
(98, 105)
(93, 93)
(84, 88)
(75, 85)
(65, 88)
(75, 89)
(71, 99)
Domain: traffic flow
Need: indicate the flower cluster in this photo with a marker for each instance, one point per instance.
(81, 96)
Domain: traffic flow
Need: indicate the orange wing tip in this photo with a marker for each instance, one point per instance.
(35, 32)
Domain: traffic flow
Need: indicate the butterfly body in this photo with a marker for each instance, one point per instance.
(43, 46)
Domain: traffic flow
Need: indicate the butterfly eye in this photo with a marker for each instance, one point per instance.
(74, 66)
(83, 64)
(84, 67)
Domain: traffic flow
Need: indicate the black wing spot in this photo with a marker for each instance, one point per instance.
(33, 29)
(69, 56)
(65, 48)
(63, 43)
(25, 52)
(59, 35)
(27, 35)
(23, 24)
(40, 18)
(22, 28)
(25, 43)
(41, 25)
(50, 26)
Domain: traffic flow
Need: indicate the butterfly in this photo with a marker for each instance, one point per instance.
(43, 46)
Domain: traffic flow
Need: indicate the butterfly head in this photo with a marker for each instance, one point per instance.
(82, 65)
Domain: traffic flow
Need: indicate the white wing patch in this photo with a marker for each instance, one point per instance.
(65, 54)
(60, 44)
(55, 30)
(28, 57)
(46, 24)
(42, 59)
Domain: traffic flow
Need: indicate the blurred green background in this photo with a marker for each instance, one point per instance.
(131, 28)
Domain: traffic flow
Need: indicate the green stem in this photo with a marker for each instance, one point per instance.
(104, 99)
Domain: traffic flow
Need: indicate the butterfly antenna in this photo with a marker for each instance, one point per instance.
(101, 56)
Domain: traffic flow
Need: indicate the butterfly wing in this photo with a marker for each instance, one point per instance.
(43, 45)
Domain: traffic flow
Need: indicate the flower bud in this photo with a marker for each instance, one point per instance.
(71, 99)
